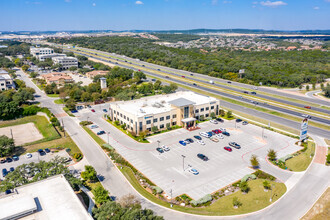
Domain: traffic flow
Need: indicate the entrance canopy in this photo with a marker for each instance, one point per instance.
(186, 120)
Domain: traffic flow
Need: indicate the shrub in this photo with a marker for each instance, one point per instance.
(89, 174)
(244, 187)
(328, 158)
(85, 123)
(266, 184)
(203, 200)
(271, 154)
(247, 177)
(77, 156)
(117, 123)
(262, 175)
(229, 114)
(254, 161)
(123, 126)
(236, 202)
(285, 158)
(157, 189)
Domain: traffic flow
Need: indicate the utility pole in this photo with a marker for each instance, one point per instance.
(63, 127)
(11, 132)
(158, 142)
(183, 156)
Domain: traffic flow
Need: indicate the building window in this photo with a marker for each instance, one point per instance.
(121, 115)
(124, 116)
(207, 108)
(173, 116)
(131, 120)
(140, 125)
(174, 123)
(148, 122)
(128, 126)
(168, 117)
(196, 111)
(161, 126)
(155, 120)
(212, 107)
(186, 112)
(161, 119)
(206, 115)
(202, 109)
(128, 119)
(114, 111)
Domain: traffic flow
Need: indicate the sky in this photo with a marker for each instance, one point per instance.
(61, 15)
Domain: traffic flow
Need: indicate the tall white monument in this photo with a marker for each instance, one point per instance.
(103, 83)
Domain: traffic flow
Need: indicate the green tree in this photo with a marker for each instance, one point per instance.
(70, 104)
(266, 184)
(300, 87)
(244, 186)
(307, 88)
(212, 115)
(236, 202)
(154, 129)
(7, 145)
(254, 161)
(158, 85)
(173, 87)
(101, 195)
(73, 68)
(272, 154)
(201, 118)
(25, 67)
(143, 135)
(314, 86)
(229, 114)
(89, 174)
(138, 75)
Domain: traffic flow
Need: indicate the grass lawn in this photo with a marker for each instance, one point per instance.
(327, 141)
(59, 101)
(321, 209)
(62, 143)
(138, 139)
(302, 161)
(98, 140)
(42, 124)
(68, 111)
(255, 200)
(53, 95)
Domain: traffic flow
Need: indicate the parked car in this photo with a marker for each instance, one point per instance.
(92, 110)
(222, 129)
(189, 140)
(74, 111)
(214, 121)
(165, 148)
(94, 126)
(193, 171)
(200, 142)
(214, 139)
(228, 82)
(41, 152)
(183, 143)
(8, 191)
(220, 136)
(210, 133)
(308, 107)
(4, 172)
(160, 150)
(197, 137)
(228, 149)
(105, 110)
(202, 157)
(204, 134)
(219, 119)
(28, 155)
(226, 133)
(11, 169)
(100, 132)
(235, 145)
(238, 120)
(216, 131)
(9, 160)
(47, 150)
(245, 123)
(3, 161)
(253, 93)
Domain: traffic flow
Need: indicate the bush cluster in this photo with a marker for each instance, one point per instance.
(202, 201)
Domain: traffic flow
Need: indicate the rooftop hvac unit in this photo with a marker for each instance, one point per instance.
(142, 111)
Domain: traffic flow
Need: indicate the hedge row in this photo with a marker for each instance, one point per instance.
(249, 176)
(285, 158)
(203, 200)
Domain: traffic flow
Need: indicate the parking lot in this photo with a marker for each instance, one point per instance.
(35, 158)
(169, 170)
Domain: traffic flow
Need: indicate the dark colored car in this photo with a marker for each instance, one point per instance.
(191, 74)
(105, 110)
(74, 111)
(246, 92)
(4, 172)
(8, 191)
(194, 84)
(15, 158)
(228, 82)
(216, 131)
(142, 65)
(226, 133)
(239, 120)
(209, 133)
(253, 93)
(3, 161)
(8, 159)
(235, 145)
(160, 150)
(197, 137)
(219, 120)
(11, 169)
(47, 150)
(93, 110)
(202, 157)
(167, 77)
(182, 143)
(190, 140)
(228, 149)
(100, 132)
(41, 152)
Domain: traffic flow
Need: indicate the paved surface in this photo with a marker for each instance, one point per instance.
(315, 180)
(24, 133)
(80, 78)
(35, 158)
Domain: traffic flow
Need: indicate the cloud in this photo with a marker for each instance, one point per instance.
(33, 3)
(327, 0)
(227, 2)
(94, 4)
(67, 1)
(139, 3)
(316, 8)
(272, 4)
(215, 2)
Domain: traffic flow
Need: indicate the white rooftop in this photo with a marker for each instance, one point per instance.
(161, 103)
(5, 76)
(53, 197)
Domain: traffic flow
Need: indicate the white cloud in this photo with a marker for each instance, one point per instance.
(68, 1)
(272, 4)
(139, 3)
(227, 2)
(327, 0)
(316, 8)
(94, 4)
(215, 2)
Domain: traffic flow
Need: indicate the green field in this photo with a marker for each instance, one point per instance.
(94, 136)
(302, 161)
(59, 101)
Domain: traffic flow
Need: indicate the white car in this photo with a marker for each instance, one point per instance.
(28, 155)
(214, 121)
(220, 136)
(222, 129)
(94, 126)
(204, 134)
(200, 142)
(193, 171)
(165, 148)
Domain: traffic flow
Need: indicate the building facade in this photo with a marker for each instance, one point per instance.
(6, 82)
(66, 62)
(163, 111)
(37, 51)
(50, 56)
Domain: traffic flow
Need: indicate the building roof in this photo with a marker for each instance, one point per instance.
(180, 102)
(53, 197)
(160, 103)
(188, 119)
(55, 76)
(3, 72)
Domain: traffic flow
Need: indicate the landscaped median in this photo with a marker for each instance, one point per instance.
(252, 193)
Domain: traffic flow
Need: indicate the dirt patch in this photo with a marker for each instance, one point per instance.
(24, 133)
(98, 61)
(321, 209)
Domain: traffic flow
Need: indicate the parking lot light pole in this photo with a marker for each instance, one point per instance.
(158, 142)
(87, 118)
(183, 156)
(108, 136)
(271, 192)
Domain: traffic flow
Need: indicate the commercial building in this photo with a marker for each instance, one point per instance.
(52, 198)
(181, 108)
(66, 62)
(6, 82)
(57, 78)
(50, 56)
(36, 51)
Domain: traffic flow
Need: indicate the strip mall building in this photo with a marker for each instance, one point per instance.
(181, 108)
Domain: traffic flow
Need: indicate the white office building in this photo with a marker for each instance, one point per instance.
(6, 82)
(181, 108)
(36, 51)
(46, 56)
(66, 62)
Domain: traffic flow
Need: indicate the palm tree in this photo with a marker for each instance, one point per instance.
(254, 161)
(272, 154)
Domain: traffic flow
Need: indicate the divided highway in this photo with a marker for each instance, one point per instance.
(209, 89)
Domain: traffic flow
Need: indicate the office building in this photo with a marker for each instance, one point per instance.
(6, 82)
(36, 51)
(66, 62)
(57, 78)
